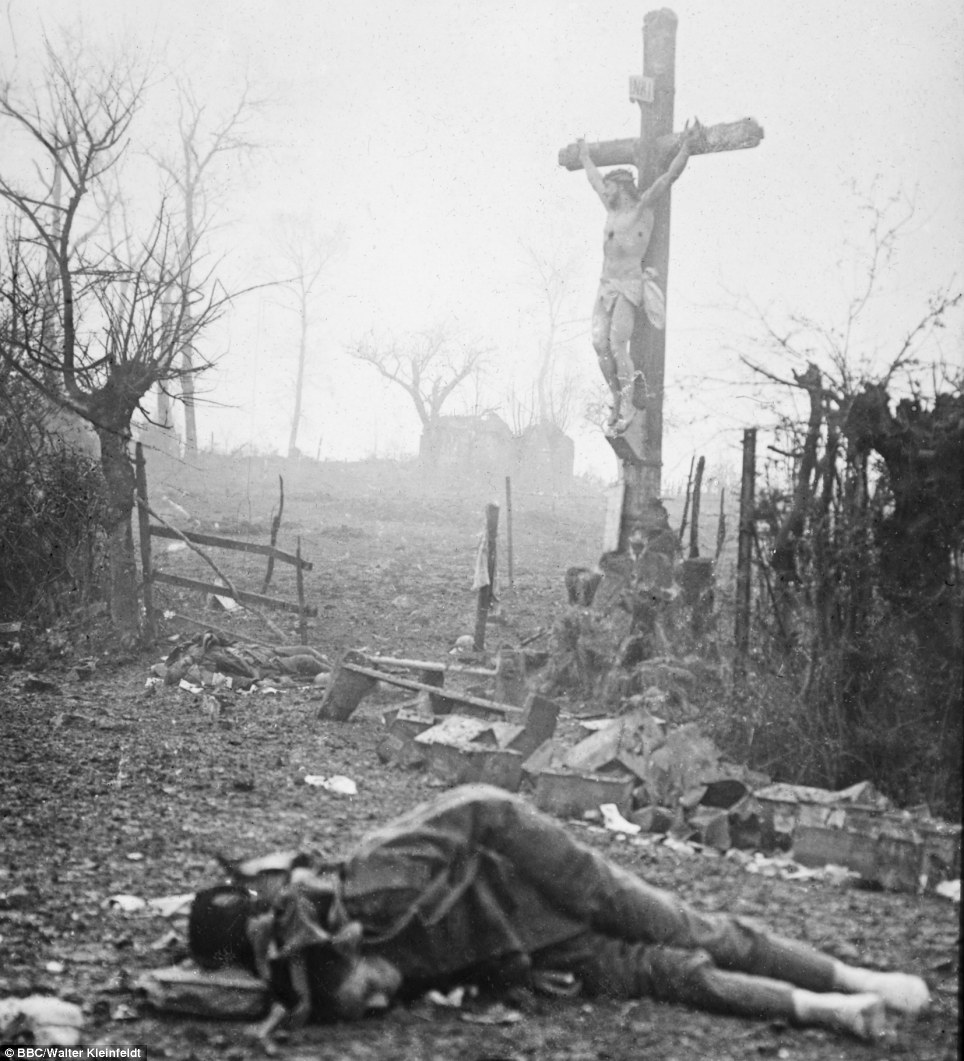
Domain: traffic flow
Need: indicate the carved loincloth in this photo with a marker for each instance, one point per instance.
(640, 291)
(631, 290)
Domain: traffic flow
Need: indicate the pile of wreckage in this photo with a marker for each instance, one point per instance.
(652, 777)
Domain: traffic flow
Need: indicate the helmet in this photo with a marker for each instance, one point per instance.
(217, 928)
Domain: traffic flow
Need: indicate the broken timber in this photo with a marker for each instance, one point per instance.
(232, 543)
(460, 749)
(353, 679)
(224, 591)
(194, 539)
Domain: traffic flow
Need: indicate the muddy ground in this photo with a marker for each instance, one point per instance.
(111, 787)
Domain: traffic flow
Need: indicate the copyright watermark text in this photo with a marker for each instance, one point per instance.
(75, 1053)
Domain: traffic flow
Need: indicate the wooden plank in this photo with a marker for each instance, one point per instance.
(302, 612)
(232, 543)
(426, 665)
(223, 591)
(438, 692)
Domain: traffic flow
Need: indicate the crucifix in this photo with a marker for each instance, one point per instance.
(637, 513)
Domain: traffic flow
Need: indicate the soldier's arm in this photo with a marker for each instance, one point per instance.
(593, 174)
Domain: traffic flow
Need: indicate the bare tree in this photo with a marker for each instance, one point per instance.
(863, 535)
(87, 325)
(202, 143)
(428, 366)
(305, 255)
(553, 279)
(834, 371)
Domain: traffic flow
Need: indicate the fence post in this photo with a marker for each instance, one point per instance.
(486, 592)
(686, 502)
(741, 633)
(695, 524)
(300, 583)
(508, 529)
(144, 527)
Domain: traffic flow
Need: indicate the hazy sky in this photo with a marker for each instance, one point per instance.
(428, 132)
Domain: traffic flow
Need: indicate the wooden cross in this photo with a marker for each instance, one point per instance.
(640, 448)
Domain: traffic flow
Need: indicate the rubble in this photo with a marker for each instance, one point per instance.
(194, 992)
(787, 806)
(356, 675)
(461, 750)
(899, 852)
(571, 795)
(465, 748)
(659, 779)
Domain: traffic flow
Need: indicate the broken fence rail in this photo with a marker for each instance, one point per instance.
(240, 595)
(150, 575)
(232, 543)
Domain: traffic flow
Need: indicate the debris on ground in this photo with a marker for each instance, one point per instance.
(950, 889)
(463, 748)
(195, 992)
(651, 778)
(357, 674)
(338, 784)
(642, 776)
(41, 1020)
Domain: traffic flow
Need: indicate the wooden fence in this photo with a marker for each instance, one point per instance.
(151, 576)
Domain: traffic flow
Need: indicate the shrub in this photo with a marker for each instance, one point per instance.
(51, 545)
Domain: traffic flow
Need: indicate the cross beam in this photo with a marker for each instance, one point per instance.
(640, 448)
(727, 136)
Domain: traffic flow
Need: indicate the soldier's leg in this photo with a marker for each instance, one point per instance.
(614, 903)
(632, 970)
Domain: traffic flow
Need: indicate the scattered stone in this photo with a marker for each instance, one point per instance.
(33, 684)
(125, 904)
(338, 784)
(15, 899)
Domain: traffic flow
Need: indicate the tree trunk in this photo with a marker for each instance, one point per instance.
(299, 383)
(187, 394)
(783, 558)
(187, 351)
(118, 473)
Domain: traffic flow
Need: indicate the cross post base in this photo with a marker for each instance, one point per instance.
(629, 445)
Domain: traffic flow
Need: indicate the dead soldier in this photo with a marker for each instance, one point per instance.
(625, 284)
(477, 888)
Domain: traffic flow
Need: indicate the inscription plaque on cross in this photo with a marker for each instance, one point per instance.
(640, 446)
